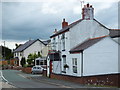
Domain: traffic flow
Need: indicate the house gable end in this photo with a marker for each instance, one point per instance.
(26, 45)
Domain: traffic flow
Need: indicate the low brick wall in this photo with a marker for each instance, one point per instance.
(103, 80)
(17, 68)
(27, 70)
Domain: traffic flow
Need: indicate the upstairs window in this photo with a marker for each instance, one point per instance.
(63, 41)
(64, 62)
(54, 44)
(20, 53)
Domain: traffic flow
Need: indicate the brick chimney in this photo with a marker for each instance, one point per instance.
(88, 12)
(64, 23)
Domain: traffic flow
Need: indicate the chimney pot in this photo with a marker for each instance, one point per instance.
(64, 23)
(87, 12)
(88, 5)
(64, 20)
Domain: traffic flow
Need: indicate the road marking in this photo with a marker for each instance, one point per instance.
(21, 75)
(6, 81)
(3, 77)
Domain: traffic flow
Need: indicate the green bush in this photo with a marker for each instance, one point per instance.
(23, 61)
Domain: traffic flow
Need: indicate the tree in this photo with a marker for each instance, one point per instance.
(32, 57)
(39, 55)
(8, 61)
(16, 45)
(23, 61)
(6, 53)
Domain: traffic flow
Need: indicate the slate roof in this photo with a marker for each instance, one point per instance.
(66, 28)
(46, 42)
(73, 24)
(85, 44)
(26, 45)
(114, 33)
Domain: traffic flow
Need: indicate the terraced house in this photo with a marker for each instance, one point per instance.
(85, 51)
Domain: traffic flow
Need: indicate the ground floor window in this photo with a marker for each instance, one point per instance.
(74, 65)
(41, 62)
(64, 63)
(37, 62)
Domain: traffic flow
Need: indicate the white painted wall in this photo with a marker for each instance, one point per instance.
(57, 67)
(48, 66)
(34, 48)
(78, 34)
(117, 39)
(59, 42)
(101, 58)
(84, 30)
(69, 61)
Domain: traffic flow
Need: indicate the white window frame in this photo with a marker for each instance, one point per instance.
(54, 43)
(63, 41)
(64, 62)
(74, 65)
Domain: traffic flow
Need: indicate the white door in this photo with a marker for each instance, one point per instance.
(48, 67)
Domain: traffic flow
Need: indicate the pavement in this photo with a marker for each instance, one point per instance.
(62, 83)
(6, 85)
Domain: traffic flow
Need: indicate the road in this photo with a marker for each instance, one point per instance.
(28, 81)
(17, 79)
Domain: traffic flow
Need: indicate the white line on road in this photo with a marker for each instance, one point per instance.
(3, 77)
(9, 85)
(21, 75)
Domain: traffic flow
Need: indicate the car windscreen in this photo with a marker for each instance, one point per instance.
(34, 67)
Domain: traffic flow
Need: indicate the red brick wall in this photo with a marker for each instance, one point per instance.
(103, 80)
(44, 72)
(27, 70)
(17, 68)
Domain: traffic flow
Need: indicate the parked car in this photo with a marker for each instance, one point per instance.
(37, 69)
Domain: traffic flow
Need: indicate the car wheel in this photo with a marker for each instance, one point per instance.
(32, 72)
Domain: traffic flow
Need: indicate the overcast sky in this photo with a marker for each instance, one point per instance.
(24, 20)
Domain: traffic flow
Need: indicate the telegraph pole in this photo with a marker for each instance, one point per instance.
(82, 2)
(4, 49)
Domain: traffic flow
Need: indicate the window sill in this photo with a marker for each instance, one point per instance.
(63, 50)
(63, 71)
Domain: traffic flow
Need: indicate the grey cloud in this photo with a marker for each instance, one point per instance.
(109, 16)
(22, 21)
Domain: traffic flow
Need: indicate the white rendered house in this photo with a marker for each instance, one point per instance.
(85, 48)
(31, 47)
(77, 32)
